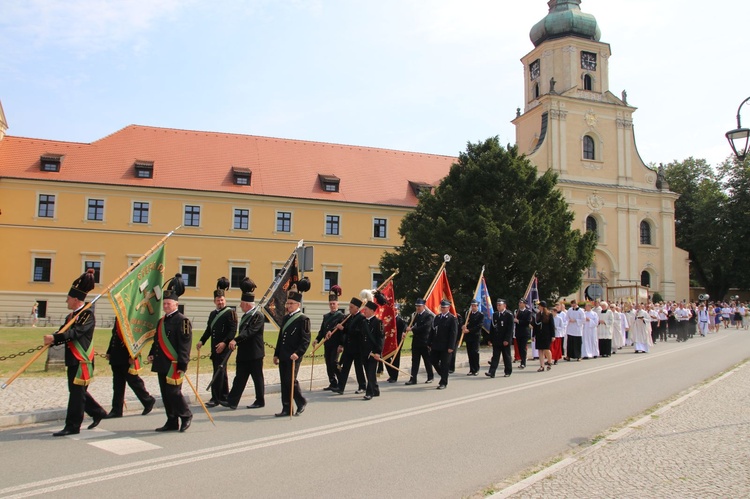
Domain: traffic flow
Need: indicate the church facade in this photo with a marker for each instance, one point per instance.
(574, 125)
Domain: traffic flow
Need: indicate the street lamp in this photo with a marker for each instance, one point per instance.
(739, 139)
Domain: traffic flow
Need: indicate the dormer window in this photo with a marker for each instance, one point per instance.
(50, 162)
(144, 169)
(242, 176)
(329, 183)
(420, 187)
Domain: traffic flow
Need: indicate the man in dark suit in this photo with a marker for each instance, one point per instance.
(125, 370)
(294, 338)
(169, 357)
(420, 329)
(332, 337)
(442, 342)
(501, 337)
(79, 357)
(472, 331)
(350, 348)
(523, 319)
(221, 328)
(250, 350)
(393, 372)
(372, 338)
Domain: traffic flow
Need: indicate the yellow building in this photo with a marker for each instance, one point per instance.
(574, 125)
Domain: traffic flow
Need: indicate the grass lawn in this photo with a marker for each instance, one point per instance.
(14, 340)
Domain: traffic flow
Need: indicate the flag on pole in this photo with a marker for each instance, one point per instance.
(275, 308)
(485, 304)
(440, 291)
(387, 314)
(137, 301)
(532, 292)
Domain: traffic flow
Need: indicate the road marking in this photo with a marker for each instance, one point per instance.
(144, 466)
(124, 446)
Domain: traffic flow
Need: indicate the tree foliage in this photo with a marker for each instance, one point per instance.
(711, 221)
(492, 210)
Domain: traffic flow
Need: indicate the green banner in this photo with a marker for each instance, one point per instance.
(137, 301)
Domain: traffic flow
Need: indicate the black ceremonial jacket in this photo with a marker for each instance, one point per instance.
(294, 336)
(222, 330)
(249, 340)
(179, 331)
(81, 330)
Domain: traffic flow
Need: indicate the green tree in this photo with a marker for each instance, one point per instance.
(701, 223)
(492, 210)
(737, 185)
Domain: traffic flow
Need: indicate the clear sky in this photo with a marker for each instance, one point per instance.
(416, 75)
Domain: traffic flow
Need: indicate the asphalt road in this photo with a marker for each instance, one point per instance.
(413, 441)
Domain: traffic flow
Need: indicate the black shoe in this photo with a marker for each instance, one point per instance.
(212, 403)
(428, 381)
(113, 415)
(441, 387)
(451, 372)
(367, 397)
(169, 426)
(392, 380)
(506, 375)
(329, 388)
(65, 431)
(148, 406)
(489, 375)
(359, 391)
(256, 405)
(411, 382)
(186, 423)
(97, 420)
(225, 403)
(301, 409)
(338, 391)
(282, 414)
(522, 366)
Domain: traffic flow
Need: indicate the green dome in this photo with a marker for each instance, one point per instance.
(565, 19)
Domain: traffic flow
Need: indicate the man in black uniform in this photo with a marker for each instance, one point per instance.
(250, 350)
(294, 338)
(170, 355)
(125, 370)
(443, 341)
(221, 328)
(333, 340)
(420, 328)
(501, 337)
(79, 357)
(393, 372)
(350, 348)
(523, 330)
(372, 337)
(472, 330)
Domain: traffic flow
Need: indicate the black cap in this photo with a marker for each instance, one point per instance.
(81, 286)
(247, 286)
(501, 300)
(294, 295)
(475, 302)
(420, 301)
(356, 302)
(334, 293)
(371, 305)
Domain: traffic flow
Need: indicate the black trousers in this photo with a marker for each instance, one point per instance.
(441, 362)
(330, 354)
(175, 404)
(359, 371)
(574, 346)
(121, 376)
(605, 347)
(80, 401)
(523, 346)
(420, 352)
(392, 372)
(285, 373)
(498, 349)
(472, 349)
(245, 369)
(220, 387)
(371, 373)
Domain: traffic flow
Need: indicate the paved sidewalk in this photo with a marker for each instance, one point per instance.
(697, 446)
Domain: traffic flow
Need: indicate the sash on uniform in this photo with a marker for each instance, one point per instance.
(173, 375)
(290, 320)
(216, 317)
(85, 362)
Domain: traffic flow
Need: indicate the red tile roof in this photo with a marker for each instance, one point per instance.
(203, 161)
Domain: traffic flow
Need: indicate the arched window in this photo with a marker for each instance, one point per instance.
(536, 91)
(588, 148)
(587, 82)
(592, 225)
(645, 232)
(646, 278)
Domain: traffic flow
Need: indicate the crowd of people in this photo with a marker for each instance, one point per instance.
(549, 334)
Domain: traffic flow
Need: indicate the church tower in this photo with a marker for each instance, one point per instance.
(572, 123)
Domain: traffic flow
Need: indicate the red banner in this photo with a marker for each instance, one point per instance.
(441, 291)
(387, 314)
